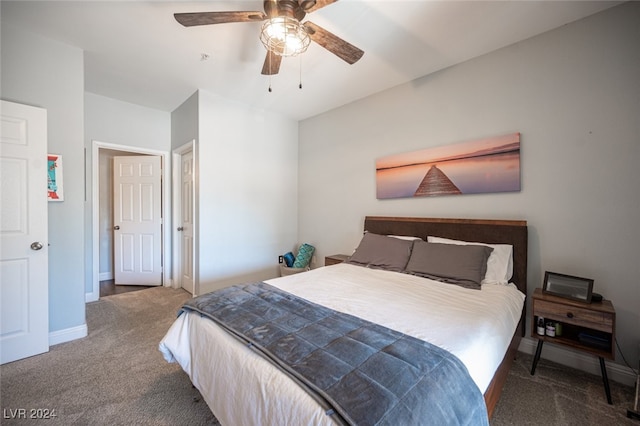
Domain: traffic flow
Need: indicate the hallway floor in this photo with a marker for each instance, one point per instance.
(109, 288)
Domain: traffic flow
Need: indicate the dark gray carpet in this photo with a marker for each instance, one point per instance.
(559, 395)
(117, 376)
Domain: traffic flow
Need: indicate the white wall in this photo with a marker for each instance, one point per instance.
(41, 72)
(573, 93)
(247, 162)
(116, 122)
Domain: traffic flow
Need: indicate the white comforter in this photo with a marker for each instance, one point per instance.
(243, 388)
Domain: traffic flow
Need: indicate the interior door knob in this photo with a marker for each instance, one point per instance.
(116, 227)
(36, 245)
(180, 228)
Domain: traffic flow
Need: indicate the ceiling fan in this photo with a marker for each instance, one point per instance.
(282, 34)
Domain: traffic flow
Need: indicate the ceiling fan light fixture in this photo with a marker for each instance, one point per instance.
(284, 36)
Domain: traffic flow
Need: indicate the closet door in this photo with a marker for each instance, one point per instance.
(137, 220)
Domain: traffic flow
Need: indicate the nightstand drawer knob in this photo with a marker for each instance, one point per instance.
(569, 315)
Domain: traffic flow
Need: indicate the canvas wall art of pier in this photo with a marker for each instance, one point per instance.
(473, 167)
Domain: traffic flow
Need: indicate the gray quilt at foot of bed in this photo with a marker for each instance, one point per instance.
(368, 374)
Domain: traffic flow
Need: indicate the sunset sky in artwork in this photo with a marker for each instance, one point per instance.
(431, 155)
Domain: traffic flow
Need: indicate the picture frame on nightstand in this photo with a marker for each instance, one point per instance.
(568, 286)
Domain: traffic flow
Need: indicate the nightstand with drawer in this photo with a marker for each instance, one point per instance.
(335, 258)
(587, 327)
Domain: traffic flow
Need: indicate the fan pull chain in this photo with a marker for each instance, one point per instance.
(300, 85)
(270, 71)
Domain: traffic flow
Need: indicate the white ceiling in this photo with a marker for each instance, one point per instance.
(135, 51)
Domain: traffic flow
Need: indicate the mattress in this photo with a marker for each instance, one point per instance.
(241, 387)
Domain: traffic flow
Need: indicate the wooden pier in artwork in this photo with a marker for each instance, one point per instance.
(435, 182)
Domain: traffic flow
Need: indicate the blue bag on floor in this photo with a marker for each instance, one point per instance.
(289, 258)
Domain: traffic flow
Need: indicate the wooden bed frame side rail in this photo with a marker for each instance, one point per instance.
(494, 390)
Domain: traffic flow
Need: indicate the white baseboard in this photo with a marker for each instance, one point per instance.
(68, 334)
(581, 361)
(103, 276)
(91, 297)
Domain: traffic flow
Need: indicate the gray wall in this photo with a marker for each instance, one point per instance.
(247, 186)
(573, 93)
(184, 122)
(41, 72)
(114, 121)
(184, 129)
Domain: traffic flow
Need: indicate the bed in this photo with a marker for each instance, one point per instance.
(242, 386)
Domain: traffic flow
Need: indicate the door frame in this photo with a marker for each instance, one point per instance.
(95, 210)
(177, 212)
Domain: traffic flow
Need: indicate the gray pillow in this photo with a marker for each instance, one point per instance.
(382, 252)
(464, 265)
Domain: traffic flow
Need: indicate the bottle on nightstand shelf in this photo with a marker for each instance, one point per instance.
(551, 329)
(540, 326)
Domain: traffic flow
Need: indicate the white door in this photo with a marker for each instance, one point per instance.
(24, 264)
(185, 229)
(137, 230)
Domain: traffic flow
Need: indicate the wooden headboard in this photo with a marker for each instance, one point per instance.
(512, 232)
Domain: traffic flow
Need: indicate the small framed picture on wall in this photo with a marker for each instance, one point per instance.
(55, 188)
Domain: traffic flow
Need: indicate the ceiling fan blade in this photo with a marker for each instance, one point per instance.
(208, 18)
(313, 5)
(334, 44)
(271, 63)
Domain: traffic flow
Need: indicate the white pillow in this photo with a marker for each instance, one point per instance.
(499, 264)
(404, 237)
(400, 237)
